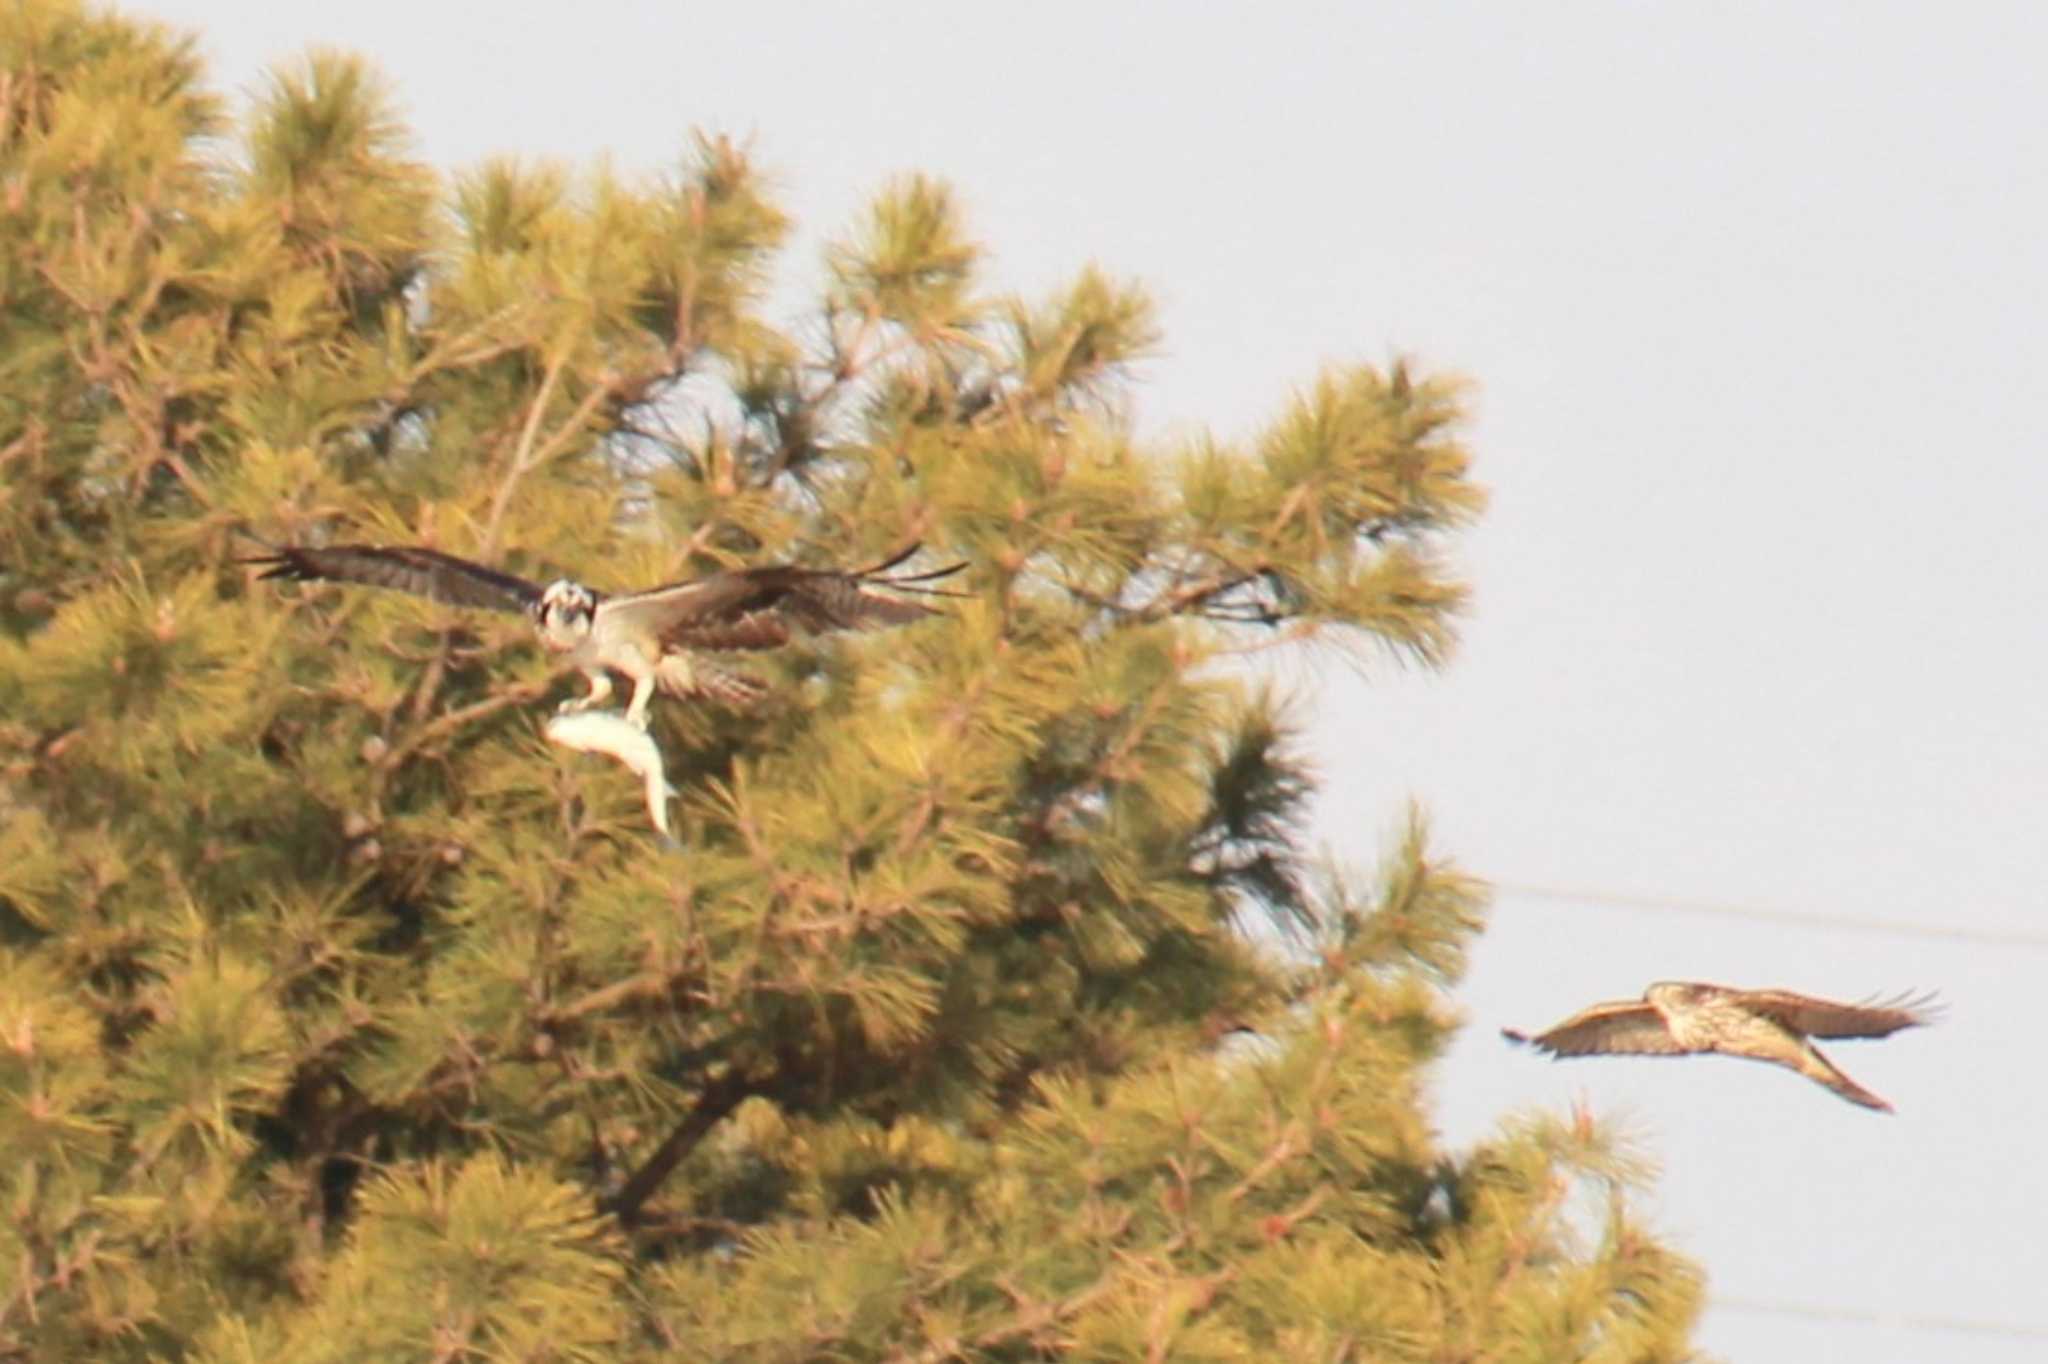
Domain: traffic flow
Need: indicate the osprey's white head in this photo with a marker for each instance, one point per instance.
(564, 613)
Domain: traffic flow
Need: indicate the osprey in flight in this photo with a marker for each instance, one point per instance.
(650, 636)
(1681, 1018)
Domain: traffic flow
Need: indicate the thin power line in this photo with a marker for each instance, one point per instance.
(1895, 1320)
(1841, 923)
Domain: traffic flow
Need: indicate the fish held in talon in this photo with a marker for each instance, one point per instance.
(612, 734)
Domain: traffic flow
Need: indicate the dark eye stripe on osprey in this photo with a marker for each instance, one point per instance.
(647, 635)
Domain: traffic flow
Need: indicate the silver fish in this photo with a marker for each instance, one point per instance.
(610, 733)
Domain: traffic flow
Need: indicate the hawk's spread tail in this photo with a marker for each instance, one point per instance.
(1822, 1071)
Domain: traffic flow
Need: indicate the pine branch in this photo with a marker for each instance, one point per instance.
(455, 719)
(646, 985)
(526, 457)
(718, 1099)
(1032, 1320)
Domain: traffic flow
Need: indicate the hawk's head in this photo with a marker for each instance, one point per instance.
(1680, 993)
(564, 613)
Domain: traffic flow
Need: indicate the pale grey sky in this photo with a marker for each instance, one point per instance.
(1754, 296)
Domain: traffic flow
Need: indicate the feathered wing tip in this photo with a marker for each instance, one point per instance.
(824, 600)
(1618, 1027)
(902, 555)
(405, 568)
(275, 563)
(877, 575)
(1816, 1017)
(1921, 1006)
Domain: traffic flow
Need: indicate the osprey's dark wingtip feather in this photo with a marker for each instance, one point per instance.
(901, 555)
(404, 568)
(877, 575)
(280, 564)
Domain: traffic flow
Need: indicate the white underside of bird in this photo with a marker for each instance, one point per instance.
(670, 671)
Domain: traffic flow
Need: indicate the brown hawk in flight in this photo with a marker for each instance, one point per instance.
(1681, 1018)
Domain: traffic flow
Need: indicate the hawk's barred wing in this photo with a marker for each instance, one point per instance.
(1628, 1026)
(763, 608)
(1827, 1018)
(405, 568)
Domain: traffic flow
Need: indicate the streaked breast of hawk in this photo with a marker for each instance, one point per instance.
(657, 636)
(1683, 1018)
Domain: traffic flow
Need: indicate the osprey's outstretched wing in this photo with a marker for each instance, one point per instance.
(763, 608)
(1628, 1026)
(406, 568)
(1827, 1018)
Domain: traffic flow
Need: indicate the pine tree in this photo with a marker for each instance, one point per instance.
(993, 1010)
